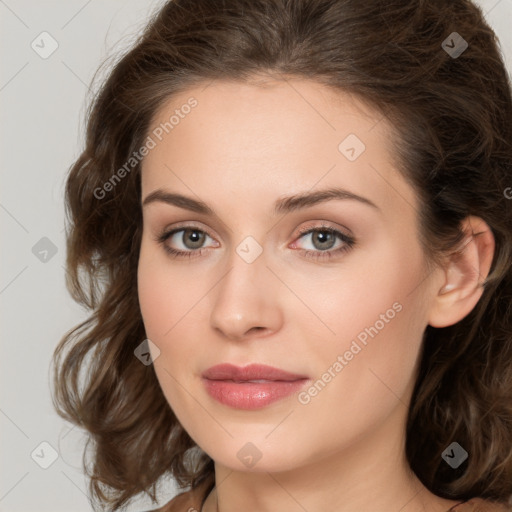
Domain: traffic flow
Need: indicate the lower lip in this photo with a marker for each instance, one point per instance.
(251, 395)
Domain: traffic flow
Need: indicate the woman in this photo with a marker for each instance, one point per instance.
(299, 212)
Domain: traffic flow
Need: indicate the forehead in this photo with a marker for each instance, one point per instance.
(269, 139)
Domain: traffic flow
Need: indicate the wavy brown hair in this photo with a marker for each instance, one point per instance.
(453, 122)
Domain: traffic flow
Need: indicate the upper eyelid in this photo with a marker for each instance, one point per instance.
(325, 227)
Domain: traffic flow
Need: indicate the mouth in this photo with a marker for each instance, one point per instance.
(250, 387)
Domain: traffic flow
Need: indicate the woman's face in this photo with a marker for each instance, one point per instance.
(344, 309)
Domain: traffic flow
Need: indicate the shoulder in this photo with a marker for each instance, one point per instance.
(189, 501)
(481, 505)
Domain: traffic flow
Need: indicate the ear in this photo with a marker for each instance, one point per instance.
(464, 273)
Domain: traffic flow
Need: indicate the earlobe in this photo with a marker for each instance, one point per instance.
(464, 274)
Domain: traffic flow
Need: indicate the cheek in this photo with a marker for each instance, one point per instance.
(376, 315)
(360, 378)
(157, 293)
(170, 300)
(154, 301)
(164, 303)
(369, 368)
(164, 289)
(366, 286)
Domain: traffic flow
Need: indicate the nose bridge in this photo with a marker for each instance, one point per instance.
(243, 299)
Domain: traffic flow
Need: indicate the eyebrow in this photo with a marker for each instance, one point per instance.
(282, 205)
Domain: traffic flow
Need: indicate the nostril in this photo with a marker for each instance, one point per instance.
(257, 329)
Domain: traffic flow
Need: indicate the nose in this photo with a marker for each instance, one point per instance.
(246, 300)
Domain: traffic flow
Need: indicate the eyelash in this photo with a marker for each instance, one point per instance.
(349, 243)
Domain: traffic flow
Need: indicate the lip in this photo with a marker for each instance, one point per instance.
(229, 384)
(228, 371)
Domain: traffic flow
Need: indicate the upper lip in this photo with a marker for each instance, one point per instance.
(228, 371)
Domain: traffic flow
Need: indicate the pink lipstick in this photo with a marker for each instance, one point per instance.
(250, 387)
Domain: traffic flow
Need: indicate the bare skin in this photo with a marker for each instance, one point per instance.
(239, 150)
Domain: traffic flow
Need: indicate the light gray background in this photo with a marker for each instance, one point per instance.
(42, 114)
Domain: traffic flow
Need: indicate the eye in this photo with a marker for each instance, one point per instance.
(191, 239)
(323, 238)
